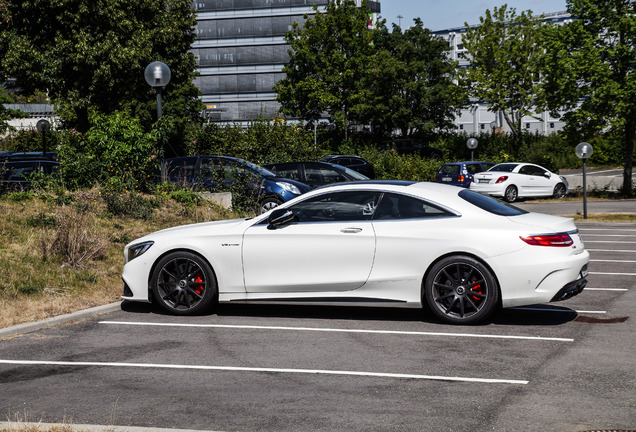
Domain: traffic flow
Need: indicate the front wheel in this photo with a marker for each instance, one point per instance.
(559, 191)
(510, 195)
(461, 290)
(183, 283)
(269, 203)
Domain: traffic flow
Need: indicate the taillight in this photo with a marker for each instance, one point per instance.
(501, 179)
(554, 240)
(460, 178)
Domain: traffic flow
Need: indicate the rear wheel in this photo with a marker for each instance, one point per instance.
(183, 283)
(510, 195)
(461, 290)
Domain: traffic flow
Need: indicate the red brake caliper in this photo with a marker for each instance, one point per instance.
(199, 289)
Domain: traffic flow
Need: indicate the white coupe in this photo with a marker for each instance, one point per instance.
(395, 244)
(512, 181)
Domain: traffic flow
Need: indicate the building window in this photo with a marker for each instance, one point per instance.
(551, 125)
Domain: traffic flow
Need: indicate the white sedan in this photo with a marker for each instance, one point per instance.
(395, 244)
(513, 180)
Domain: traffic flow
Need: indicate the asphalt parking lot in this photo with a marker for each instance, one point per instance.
(565, 366)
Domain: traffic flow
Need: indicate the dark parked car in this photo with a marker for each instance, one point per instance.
(355, 163)
(413, 146)
(315, 173)
(16, 175)
(20, 156)
(461, 173)
(219, 172)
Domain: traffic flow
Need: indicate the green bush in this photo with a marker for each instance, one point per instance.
(115, 150)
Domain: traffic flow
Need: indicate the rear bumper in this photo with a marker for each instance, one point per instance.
(573, 288)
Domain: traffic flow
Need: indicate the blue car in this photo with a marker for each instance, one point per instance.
(461, 173)
(220, 172)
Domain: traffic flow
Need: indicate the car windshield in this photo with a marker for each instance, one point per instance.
(259, 169)
(489, 204)
(504, 167)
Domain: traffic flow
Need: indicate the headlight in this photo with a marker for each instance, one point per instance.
(289, 187)
(138, 249)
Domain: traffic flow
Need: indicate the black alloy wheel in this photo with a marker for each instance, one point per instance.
(461, 290)
(183, 284)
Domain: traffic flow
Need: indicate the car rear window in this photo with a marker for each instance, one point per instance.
(504, 167)
(449, 169)
(489, 204)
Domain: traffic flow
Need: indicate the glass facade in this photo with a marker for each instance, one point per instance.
(237, 5)
(243, 56)
(241, 52)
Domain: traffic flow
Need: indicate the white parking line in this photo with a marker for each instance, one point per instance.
(614, 274)
(314, 329)
(614, 261)
(610, 250)
(610, 235)
(264, 370)
(609, 241)
(606, 289)
(558, 310)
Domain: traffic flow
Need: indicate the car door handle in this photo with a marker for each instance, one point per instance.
(350, 230)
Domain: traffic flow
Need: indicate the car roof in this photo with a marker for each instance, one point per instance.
(331, 165)
(467, 162)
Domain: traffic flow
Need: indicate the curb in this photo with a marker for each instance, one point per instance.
(91, 428)
(58, 320)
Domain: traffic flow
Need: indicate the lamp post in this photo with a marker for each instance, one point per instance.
(399, 17)
(157, 75)
(472, 145)
(584, 151)
(43, 126)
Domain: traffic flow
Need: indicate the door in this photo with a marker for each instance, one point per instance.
(331, 247)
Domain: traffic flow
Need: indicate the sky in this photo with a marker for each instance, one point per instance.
(445, 14)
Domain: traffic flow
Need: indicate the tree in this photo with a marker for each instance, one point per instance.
(91, 54)
(329, 58)
(7, 114)
(589, 70)
(410, 82)
(504, 52)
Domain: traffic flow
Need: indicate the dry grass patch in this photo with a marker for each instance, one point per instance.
(58, 256)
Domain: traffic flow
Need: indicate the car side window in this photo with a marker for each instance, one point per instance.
(286, 171)
(181, 168)
(318, 174)
(337, 207)
(473, 168)
(527, 170)
(395, 207)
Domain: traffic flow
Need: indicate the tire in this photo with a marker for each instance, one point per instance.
(461, 290)
(559, 191)
(269, 203)
(510, 195)
(183, 283)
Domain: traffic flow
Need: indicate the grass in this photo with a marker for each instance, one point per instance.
(58, 256)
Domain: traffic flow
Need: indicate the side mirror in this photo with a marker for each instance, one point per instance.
(547, 175)
(279, 218)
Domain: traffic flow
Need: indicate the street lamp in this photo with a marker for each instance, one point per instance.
(584, 151)
(472, 145)
(399, 17)
(43, 126)
(157, 75)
